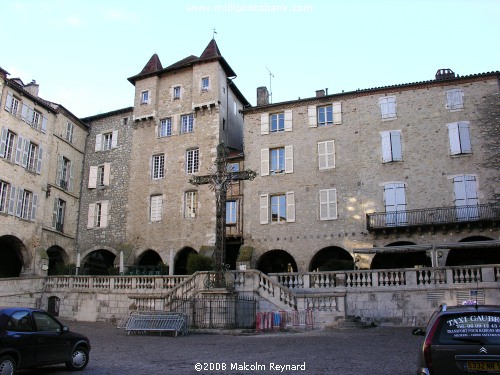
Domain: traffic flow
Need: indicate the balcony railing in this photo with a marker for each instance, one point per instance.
(481, 213)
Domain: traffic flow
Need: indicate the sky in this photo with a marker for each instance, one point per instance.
(81, 52)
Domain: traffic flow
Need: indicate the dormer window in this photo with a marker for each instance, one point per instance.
(205, 84)
(145, 97)
(177, 92)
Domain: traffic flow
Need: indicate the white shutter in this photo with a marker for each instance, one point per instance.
(104, 214)
(8, 102)
(107, 173)
(390, 204)
(264, 162)
(454, 138)
(337, 113)
(397, 151)
(39, 160)
(71, 176)
(19, 204)
(34, 204)
(26, 149)
(31, 116)
(19, 150)
(12, 200)
(290, 207)
(59, 170)
(264, 123)
(322, 157)
(156, 208)
(44, 124)
(114, 139)
(54, 213)
(98, 142)
(464, 135)
(3, 142)
(24, 112)
(311, 114)
(328, 204)
(288, 120)
(93, 177)
(264, 208)
(288, 159)
(386, 147)
(91, 216)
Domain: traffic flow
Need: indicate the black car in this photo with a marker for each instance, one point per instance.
(461, 340)
(31, 338)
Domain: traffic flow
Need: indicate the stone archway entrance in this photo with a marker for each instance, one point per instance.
(11, 255)
(475, 255)
(400, 259)
(276, 261)
(331, 258)
(98, 262)
(57, 264)
(180, 264)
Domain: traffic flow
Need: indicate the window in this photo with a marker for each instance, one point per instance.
(69, 132)
(30, 156)
(192, 161)
(466, 199)
(165, 129)
(158, 166)
(324, 115)
(395, 203)
(45, 323)
(26, 204)
(205, 82)
(454, 99)
(388, 107)
(4, 194)
(11, 104)
(391, 146)
(326, 154)
(279, 207)
(459, 135)
(233, 167)
(99, 176)
(187, 122)
(190, 199)
(7, 143)
(328, 204)
(177, 92)
(106, 141)
(33, 118)
(58, 214)
(20, 321)
(156, 208)
(144, 97)
(36, 119)
(231, 212)
(64, 173)
(276, 160)
(98, 215)
(277, 122)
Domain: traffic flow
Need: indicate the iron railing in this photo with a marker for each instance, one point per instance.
(489, 212)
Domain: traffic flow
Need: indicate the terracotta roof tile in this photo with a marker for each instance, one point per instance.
(152, 66)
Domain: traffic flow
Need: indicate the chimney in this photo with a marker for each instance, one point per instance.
(32, 88)
(444, 74)
(262, 96)
(320, 93)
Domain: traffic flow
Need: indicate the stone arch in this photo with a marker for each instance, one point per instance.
(58, 260)
(331, 258)
(401, 259)
(15, 256)
(98, 262)
(473, 256)
(180, 263)
(276, 261)
(149, 257)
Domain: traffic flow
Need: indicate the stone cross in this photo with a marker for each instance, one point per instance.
(219, 180)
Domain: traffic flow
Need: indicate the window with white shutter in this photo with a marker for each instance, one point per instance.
(454, 99)
(388, 107)
(391, 146)
(395, 203)
(328, 204)
(459, 135)
(326, 154)
(466, 198)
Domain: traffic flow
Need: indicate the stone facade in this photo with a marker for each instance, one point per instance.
(357, 173)
(41, 157)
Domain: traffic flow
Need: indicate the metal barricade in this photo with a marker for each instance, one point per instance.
(143, 322)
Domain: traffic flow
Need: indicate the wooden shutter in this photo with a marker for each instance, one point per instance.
(288, 120)
(8, 102)
(98, 142)
(54, 213)
(19, 204)
(311, 114)
(464, 135)
(39, 160)
(12, 200)
(44, 124)
(24, 112)
(264, 123)
(156, 208)
(31, 116)
(288, 159)
(328, 204)
(264, 208)
(386, 147)
(60, 162)
(93, 177)
(19, 150)
(91, 216)
(290, 207)
(104, 214)
(264, 162)
(3, 142)
(114, 139)
(71, 176)
(396, 150)
(337, 113)
(454, 138)
(26, 149)
(107, 173)
(34, 204)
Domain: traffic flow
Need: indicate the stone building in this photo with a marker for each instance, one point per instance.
(397, 176)
(42, 149)
(137, 201)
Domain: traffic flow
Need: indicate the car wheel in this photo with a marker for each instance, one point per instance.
(7, 365)
(79, 359)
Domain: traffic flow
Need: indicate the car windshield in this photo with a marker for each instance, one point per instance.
(470, 328)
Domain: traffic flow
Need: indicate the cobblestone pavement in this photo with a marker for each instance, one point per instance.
(353, 351)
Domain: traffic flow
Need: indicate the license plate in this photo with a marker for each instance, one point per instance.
(482, 366)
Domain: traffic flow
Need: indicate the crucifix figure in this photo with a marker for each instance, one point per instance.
(219, 180)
